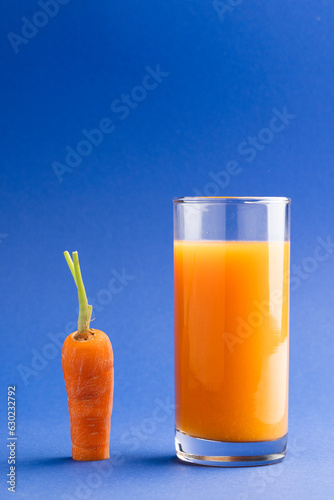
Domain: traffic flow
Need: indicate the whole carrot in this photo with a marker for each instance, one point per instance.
(87, 359)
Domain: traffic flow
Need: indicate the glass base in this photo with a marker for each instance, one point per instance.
(229, 454)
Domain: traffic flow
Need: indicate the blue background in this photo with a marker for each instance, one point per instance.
(227, 71)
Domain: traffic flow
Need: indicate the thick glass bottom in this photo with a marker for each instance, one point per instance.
(226, 454)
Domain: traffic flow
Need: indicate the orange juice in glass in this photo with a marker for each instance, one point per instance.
(231, 261)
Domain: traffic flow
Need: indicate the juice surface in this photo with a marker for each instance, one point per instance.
(231, 339)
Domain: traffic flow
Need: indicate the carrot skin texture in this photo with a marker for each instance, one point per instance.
(88, 369)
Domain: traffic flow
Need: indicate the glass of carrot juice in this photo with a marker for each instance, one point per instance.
(231, 275)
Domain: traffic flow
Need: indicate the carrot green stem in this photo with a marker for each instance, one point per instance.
(70, 265)
(85, 310)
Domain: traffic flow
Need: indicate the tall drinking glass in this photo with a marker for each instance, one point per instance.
(231, 261)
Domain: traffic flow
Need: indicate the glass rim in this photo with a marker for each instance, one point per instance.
(265, 200)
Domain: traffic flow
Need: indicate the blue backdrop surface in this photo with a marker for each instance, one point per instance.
(108, 111)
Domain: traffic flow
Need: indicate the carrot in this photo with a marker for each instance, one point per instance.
(87, 359)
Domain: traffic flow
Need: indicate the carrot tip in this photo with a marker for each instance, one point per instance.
(90, 454)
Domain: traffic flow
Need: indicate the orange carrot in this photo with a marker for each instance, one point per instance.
(87, 359)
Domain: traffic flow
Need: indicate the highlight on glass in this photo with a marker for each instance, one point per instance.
(231, 276)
